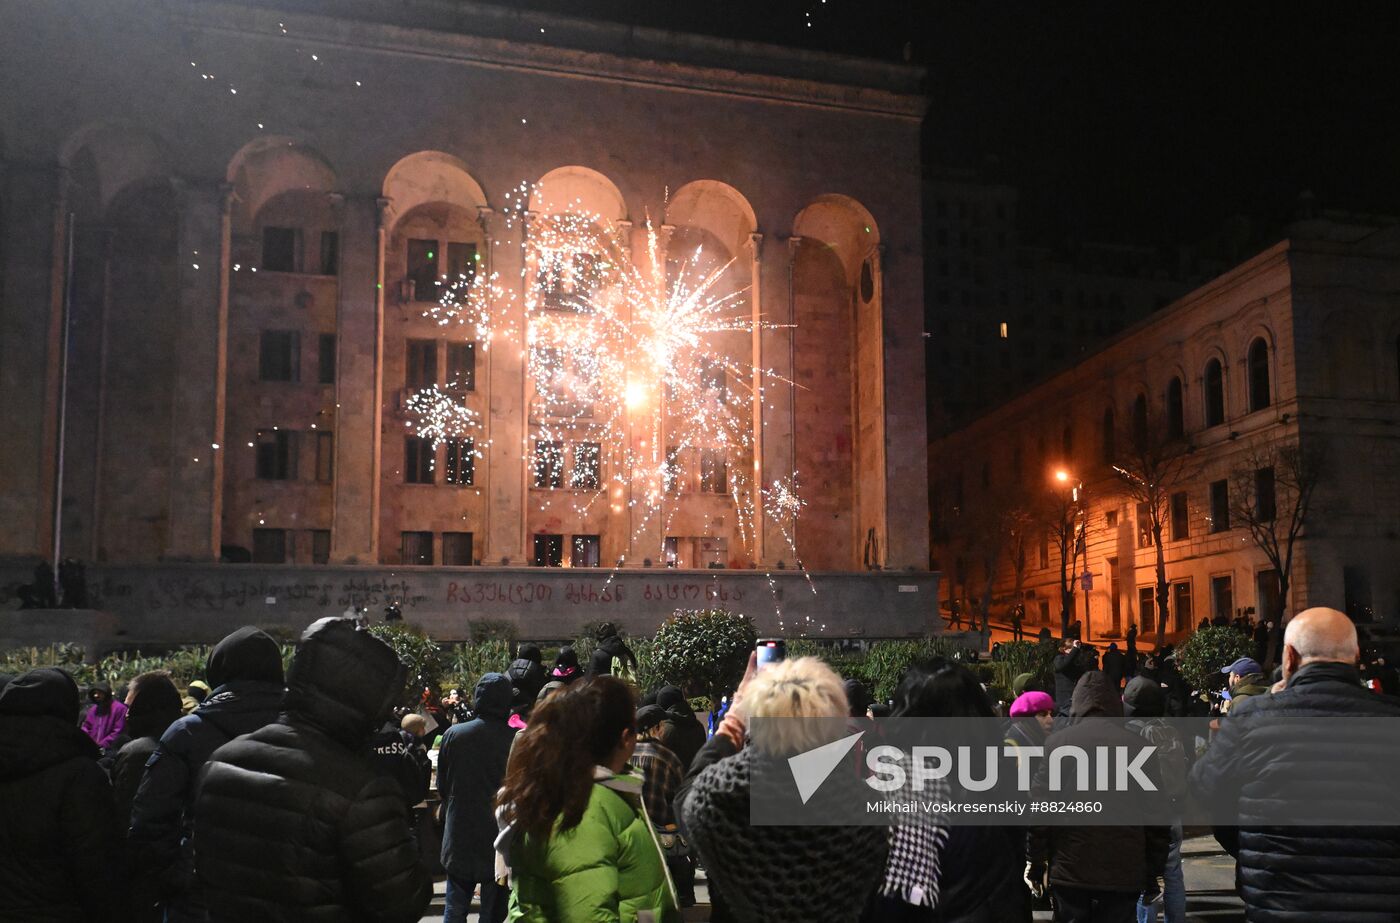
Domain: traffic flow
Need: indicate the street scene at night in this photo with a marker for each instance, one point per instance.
(571, 461)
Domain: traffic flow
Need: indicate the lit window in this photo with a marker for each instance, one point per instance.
(1003, 330)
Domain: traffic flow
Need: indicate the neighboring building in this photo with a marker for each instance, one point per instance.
(1298, 346)
(1001, 315)
(264, 202)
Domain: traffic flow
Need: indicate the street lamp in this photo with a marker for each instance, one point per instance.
(1074, 528)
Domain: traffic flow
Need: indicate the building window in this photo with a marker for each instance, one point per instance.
(1258, 375)
(279, 356)
(1265, 503)
(330, 253)
(1222, 596)
(461, 263)
(461, 367)
(584, 551)
(461, 462)
(269, 546)
(420, 365)
(1356, 593)
(277, 455)
(1140, 423)
(714, 472)
(1181, 517)
(457, 549)
(671, 551)
(417, 460)
(1147, 609)
(1181, 604)
(1044, 556)
(416, 547)
(1214, 388)
(1176, 418)
(279, 249)
(1219, 506)
(1110, 449)
(549, 465)
(549, 550)
(568, 281)
(320, 546)
(587, 459)
(713, 378)
(1002, 327)
(423, 269)
(325, 457)
(1144, 525)
(1110, 519)
(325, 355)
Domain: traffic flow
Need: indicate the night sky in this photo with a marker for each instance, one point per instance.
(1129, 121)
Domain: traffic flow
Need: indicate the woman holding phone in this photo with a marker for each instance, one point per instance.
(578, 841)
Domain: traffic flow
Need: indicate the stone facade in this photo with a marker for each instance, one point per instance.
(1304, 339)
(247, 185)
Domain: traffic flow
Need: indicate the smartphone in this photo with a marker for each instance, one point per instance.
(770, 650)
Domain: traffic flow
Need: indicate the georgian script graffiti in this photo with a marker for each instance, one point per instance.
(216, 595)
(491, 591)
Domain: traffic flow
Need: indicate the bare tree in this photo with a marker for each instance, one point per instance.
(1271, 494)
(1150, 468)
(1060, 513)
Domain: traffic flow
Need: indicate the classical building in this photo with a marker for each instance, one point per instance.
(1293, 354)
(248, 211)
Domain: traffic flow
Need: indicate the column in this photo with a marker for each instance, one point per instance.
(508, 455)
(30, 314)
(359, 386)
(756, 310)
(197, 411)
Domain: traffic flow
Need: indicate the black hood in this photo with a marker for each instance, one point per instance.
(1095, 696)
(344, 680)
(529, 652)
(614, 645)
(1143, 698)
(493, 696)
(248, 654)
(46, 691)
(32, 743)
(670, 696)
(527, 677)
(155, 707)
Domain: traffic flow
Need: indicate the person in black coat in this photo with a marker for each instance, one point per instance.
(681, 732)
(245, 670)
(471, 768)
(526, 672)
(292, 821)
(1322, 874)
(60, 840)
(611, 648)
(1130, 667)
(153, 704)
(1114, 665)
(399, 755)
(1096, 872)
(1071, 663)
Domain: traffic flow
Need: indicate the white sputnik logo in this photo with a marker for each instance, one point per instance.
(810, 769)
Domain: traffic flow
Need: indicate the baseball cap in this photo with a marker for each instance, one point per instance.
(1243, 667)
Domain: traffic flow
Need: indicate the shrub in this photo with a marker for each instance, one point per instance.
(469, 661)
(706, 650)
(418, 652)
(1016, 657)
(1207, 651)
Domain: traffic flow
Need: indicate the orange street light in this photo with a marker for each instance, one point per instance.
(1062, 476)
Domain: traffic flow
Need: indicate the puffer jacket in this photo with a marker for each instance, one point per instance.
(1313, 874)
(471, 767)
(246, 670)
(60, 841)
(608, 869)
(612, 652)
(1097, 858)
(293, 822)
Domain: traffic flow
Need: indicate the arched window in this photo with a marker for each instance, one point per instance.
(1140, 423)
(1110, 450)
(1214, 389)
(1176, 419)
(1258, 375)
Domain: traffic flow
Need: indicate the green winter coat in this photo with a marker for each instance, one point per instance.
(608, 869)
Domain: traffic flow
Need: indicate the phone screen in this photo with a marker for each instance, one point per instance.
(770, 650)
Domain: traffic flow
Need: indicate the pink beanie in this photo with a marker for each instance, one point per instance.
(1031, 703)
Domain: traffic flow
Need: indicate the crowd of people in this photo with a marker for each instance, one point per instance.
(567, 795)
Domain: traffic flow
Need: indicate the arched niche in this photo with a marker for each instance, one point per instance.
(105, 158)
(267, 168)
(281, 211)
(578, 190)
(430, 177)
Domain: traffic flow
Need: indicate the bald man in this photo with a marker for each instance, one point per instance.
(1319, 874)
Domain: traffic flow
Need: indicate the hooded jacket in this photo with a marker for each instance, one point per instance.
(611, 651)
(105, 725)
(59, 835)
(293, 821)
(527, 676)
(1097, 858)
(471, 767)
(245, 669)
(1306, 874)
(1250, 684)
(157, 706)
(682, 733)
